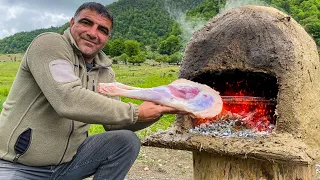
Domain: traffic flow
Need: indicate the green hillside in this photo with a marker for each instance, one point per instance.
(306, 12)
(146, 21)
(19, 42)
(153, 23)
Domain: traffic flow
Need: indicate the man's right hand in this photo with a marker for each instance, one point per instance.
(149, 111)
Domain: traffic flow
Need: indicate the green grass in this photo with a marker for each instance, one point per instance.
(8, 71)
(10, 57)
(144, 76)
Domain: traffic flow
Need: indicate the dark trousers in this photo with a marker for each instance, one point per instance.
(108, 155)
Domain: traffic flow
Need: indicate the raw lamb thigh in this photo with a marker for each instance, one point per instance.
(198, 99)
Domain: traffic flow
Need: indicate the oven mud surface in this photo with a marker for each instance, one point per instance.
(161, 164)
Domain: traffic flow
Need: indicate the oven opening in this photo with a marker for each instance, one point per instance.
(249, 104)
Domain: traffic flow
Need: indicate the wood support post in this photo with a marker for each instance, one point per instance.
(216, 167)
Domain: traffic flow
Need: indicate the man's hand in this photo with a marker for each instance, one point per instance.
(149, 111)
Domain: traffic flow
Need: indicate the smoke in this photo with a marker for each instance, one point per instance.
(237, 3)
(189, 26)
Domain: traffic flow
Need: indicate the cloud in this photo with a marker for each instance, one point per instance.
(22, 15)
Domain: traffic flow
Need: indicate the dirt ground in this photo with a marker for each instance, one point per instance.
(162, 164)
(165, 164)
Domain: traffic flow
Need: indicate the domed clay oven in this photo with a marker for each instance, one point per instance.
(260, 52)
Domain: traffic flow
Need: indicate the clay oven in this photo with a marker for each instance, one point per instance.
(258, 52)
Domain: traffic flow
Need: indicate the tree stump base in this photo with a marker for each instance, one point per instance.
(217, 167)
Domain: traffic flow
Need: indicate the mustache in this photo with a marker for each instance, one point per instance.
(91, 39)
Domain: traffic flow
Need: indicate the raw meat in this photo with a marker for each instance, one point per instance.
(198, 99)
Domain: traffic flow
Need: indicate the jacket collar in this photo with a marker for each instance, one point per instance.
(100, 59)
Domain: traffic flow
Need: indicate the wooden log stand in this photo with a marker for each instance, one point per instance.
(208, 166)
(273, 157)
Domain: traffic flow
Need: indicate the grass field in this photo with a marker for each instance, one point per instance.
(147, 75)
(8, 71)
(10, 57)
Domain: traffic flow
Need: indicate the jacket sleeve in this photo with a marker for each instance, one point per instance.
(64, 90)
(133, 127)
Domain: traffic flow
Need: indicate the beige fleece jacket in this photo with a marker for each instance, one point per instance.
(46, 115)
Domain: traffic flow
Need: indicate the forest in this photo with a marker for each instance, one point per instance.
(160, 29)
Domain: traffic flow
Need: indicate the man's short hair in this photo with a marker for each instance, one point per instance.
(99, 8)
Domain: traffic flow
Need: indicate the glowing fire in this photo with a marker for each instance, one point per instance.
(255, 113)
(252, 112)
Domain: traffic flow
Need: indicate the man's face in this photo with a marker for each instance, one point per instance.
(91, 31)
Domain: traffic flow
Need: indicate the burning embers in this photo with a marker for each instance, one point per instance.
(242, 116)
(248, 109)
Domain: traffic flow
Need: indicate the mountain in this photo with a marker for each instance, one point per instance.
(146, 21)
(150, 22)
(19, 42)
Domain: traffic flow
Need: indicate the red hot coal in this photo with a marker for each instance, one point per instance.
(249, 98)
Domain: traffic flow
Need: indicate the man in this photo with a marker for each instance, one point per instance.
(46, 117)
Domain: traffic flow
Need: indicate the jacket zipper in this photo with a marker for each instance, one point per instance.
(24, 137)
(15, 160)
(93, 85)
(87, 80)
(65, 150)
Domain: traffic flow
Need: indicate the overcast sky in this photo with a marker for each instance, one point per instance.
(27, 15)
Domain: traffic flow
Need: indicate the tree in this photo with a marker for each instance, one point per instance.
(124, 58)
(206, 10)
(137, 59)
(116, 47)
(150, 55)
(106, 49)
(132, 47)
(171, 45)
(312, 26)
(162, 58)
(175, 58)
(63, 28)
(19, 42)
(176, 30)
(115, 60)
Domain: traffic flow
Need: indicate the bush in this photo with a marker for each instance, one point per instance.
(124, 58)
(161, 58)
(132, 48)
(175, 58)
(137, 59)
